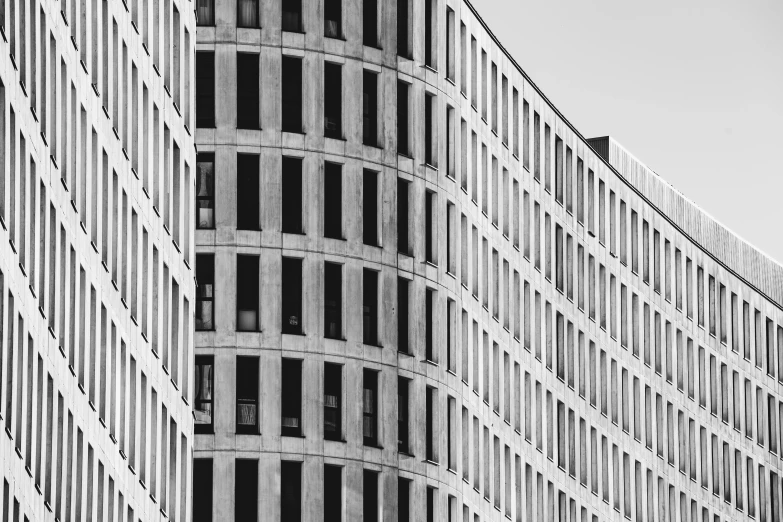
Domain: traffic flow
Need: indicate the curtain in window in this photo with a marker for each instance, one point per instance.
(203, 410)
(205, 11)
(247, 13)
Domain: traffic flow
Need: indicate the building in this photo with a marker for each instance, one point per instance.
(97, 172)
(423, 295)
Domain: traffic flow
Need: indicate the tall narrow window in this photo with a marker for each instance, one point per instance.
(292, 195)
(291, 411)
(370, 408)
(333, 16)
(403, 242)
(292, 17)
(292, 91)
(202, 490)
(429, 318)
(292, 296)
(333, 201)
(429, 226)
(370, 108)
(205, 278)
(245, 490)
(402, 415)
(430, 425)
(248, 82)
(247, 293)
(404, 500)
(429, 130)
(403, 20)
(202, 406)
(451, 46)
(333, 384)
(333, 493)
(430, 46)
(370, 307)
(370, 496)
(205, 88)
(333, 100)
(370, 208)
(248, 192)
(333, 300)
(205, 191)
(402, 315)
(247, 394)
(403, 145)
(370, 27)
(290, 491)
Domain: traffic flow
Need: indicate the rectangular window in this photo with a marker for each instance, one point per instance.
(403, 20)
(370, 108)
(370, 208)
(333, 300)
(248, 85)
(205, 280)
(430, 230)
(202, 490)
(370, 25)
(430, 30)
(333, 201)
(205, 192)
(290, 491)
(205, 15)
(202, 407)
(403, 499)
(333, 99)
(291, 90)
(430, 425)
(370, 496)
(451, 46)
(370, 408)
(559, 160)
(291, 196)
(403, 142)
(403, 242)
(333, 19)
(248, 192)
(402, 316)
(333, 401)
(370, 307)
(291, 290)
(403, 415)
(247, 293)
(245, 489)
(205, 88)
(333, 493)
(291, 411)
(292, 20)
(429, 318)
(430, 133)
(247, 394)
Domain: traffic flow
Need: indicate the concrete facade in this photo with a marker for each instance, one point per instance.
(584, 343)
(96, 249)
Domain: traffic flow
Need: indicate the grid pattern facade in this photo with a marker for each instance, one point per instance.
(423, 295)
(96, 246)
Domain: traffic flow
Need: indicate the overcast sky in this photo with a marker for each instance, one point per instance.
(693, 89)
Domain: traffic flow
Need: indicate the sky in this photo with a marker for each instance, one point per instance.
(692, 88)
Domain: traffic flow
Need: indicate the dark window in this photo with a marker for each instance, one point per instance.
(247, 394)
(202, 407)
(333, 16)
(292, 93)
(205, 190)
(202, 490)
(431, 503)
(451, 45)
(403, 146)
(333, 300)
(370, 208)
(247, 13)
(292, 296)
(402, 315)
(292, 399)
(205, 12)
(292, 18)
(370, 408)
(205, 278)
(370, 8)
(429, 33)
(370, 109)
(429, 122)
(402, 415)
(333, 384)
(246, 490)
(430, 412)
(333, 100)
(292, 195)
(247, 293)
(370, 307)
(429, 224)
(370, 494)
(290, 491)
(403, 242)
(403, 499)
(402, 28)
(333, 493)
(205, 89)
(248, 192)
(333, 201)
(428, 320)
(247, 89)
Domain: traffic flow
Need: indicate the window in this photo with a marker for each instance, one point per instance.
(333, 15)
(429, 318)
(370, 26)
(403, 20)
(202, 406)
(333, 493)
(402, 316)
(202, 489)
(430, 135)
(247, 293)
(402, 415)
(205, 14)
(403, 145)
(292, 195)
(403, 500)
(451, 46)
(370, 307)
(247, 394)
(370, 208)
(292, 296)
(430, 46)
(290, 490)
(248, 192)
(248, 96)
(430, 425)
(205, 88)
(245, 490)
(370, 496)
(333, 201)
(333, 100)
(429, 225)
(247, 13)
(205, 277)
(370, 408)
(292, 16)
(333, 401)
(370, 108)
(205, 190)
(403, 242)
(291, 410)
(292, 90)
(333, 300)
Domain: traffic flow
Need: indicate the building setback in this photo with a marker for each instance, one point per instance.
(423, 295)
(97, 293)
